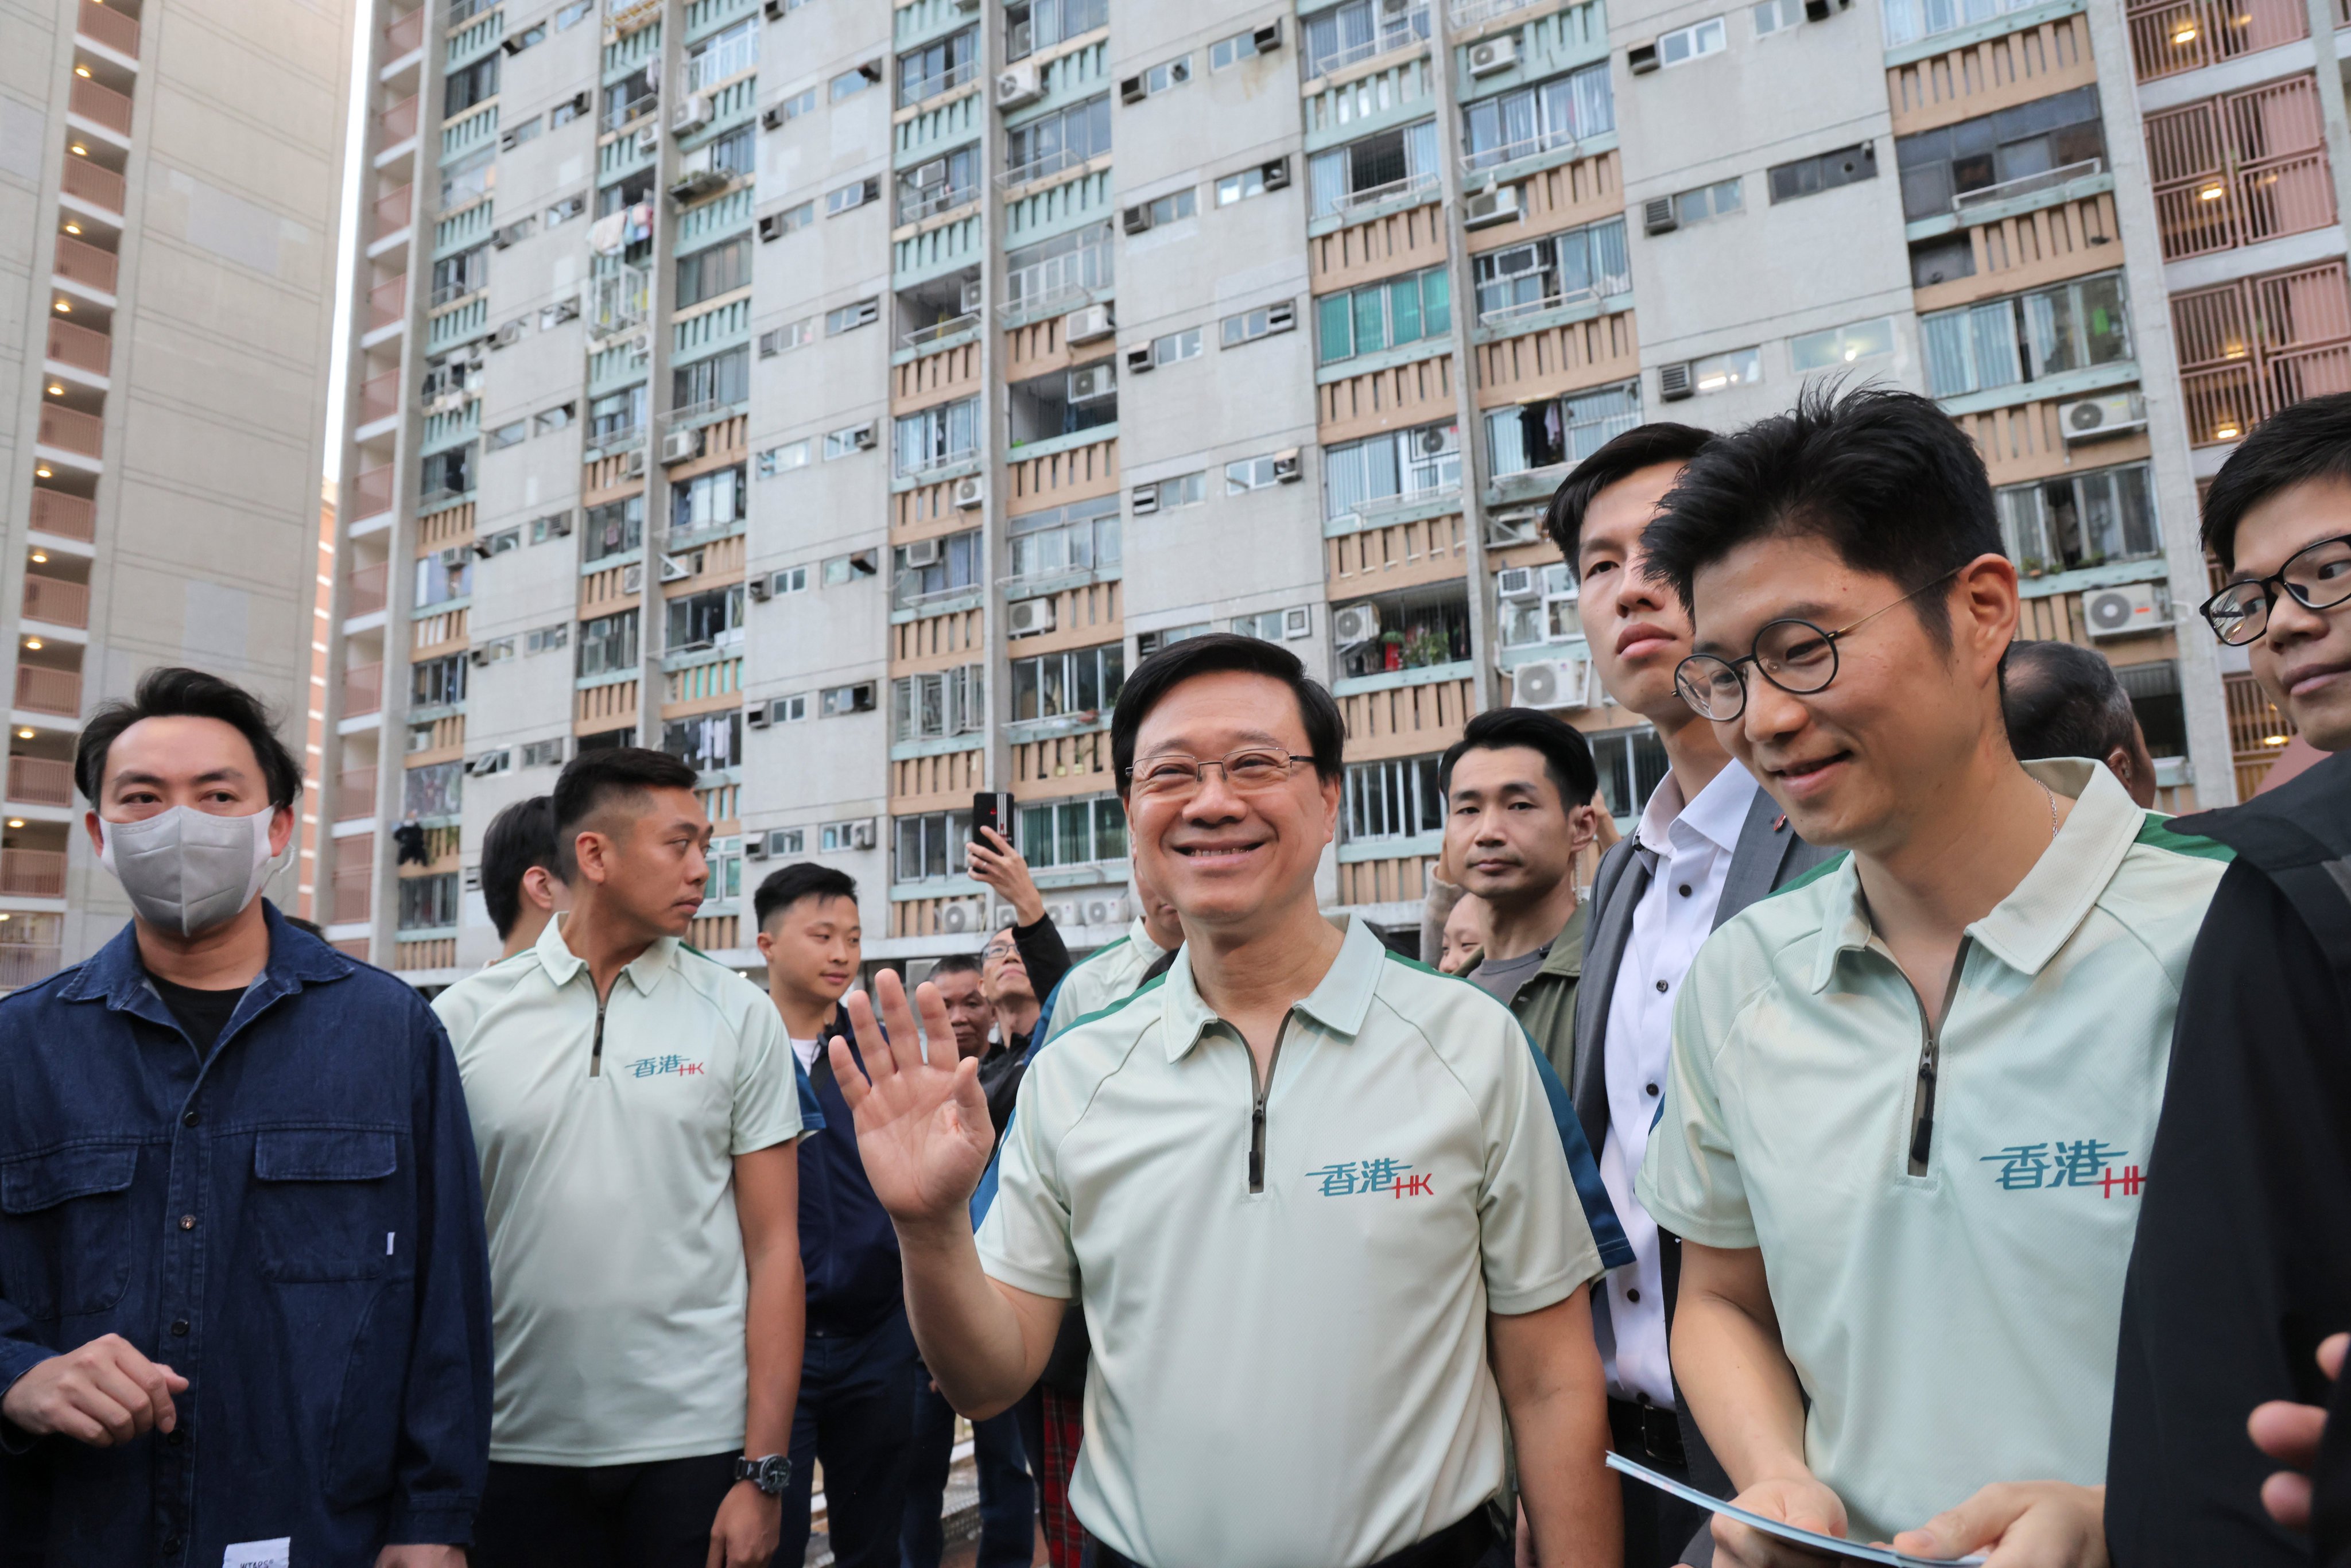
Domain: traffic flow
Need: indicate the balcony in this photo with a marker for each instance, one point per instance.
(388, 302)
(2169, 36)
(54, 601)
(392, 209)
(399, 123)
(355, 794)
(354, 888)
(40, 689)
(1469, 14)
(2228, 210)
(379, 396)
(366, 594)
(362, 690)
(100, 186)
(111, 29)
(70, 430)
(66, 517)
(1968, 203)
(405, 35)
(40, 782)
(1422, 186)
(28, 964)
(371, 492)
(100, 105)
(80, 347)
(32, 874)
(85, 264)
(1396, 31)
(2240, 168)
(621, 299)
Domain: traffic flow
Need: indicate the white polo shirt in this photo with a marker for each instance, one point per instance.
(617, 1282)
(1956, 1328)
(1108, 973)
(1294, 1374)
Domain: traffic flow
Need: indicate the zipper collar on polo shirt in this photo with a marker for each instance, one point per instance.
(643, 971)
(1340, 1003)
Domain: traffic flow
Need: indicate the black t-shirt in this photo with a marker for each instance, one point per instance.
(203, 1014)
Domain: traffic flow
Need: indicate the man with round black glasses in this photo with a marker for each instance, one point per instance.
(2242, 1269)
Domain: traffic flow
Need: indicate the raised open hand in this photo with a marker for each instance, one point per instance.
(922, 1129)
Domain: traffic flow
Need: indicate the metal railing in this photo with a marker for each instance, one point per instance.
(1394, 190)
(1542, 142)
(355, 794)
(938, 329)
(399, 121)
(67, 517)
(93, 183)
(80, 347)
(1555, 302)
(40, 782)
(920, 206)
(1044, 164)
(392, 210)
(1467, 14)
(2027, 184)
(54, 601)
(379, 397)
(367, 590)
(100, 105)
(2175, 35)
(112, 28)
(620, 438)
(406, 34)
(40, 689)
(924, 88)
(354, 887)
(1399, 34)
(931, 462)
(388, 301)
(85, 264)
(28, 964)
(2242, 207)
(372, 491)
(70, 430)
(33, 873)
(362, 689)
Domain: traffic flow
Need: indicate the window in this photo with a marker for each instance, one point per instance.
(2014, 151)
(1632, 765)
(1907, 21)
(542, 753)
(546, 420)
(467, 86)
(1232, 51)
(516, 43)
(614, 528)
(712, 383)
(798, 104)
(849, 84)
(1149, 643)
(1357, 30)
(791, 334)
(939, 184)
(718, 499)
(791, 220)
(1073, 832)
(1167, 209)
(1184, 490)
(1824, 172)
(1585, 262)
(631, 96)
(448, 474)
(1273, 625)
(570, 15)
(708, 620)
(838, 702)
(516, 135)
(546, 639)
(706, 744)
(781, 459)
(1721, 372)
(2002, 342)
(1081, 537)
(736, 152)
(1059, 140)
(850, 197)
(725, 54)
(616, 416)
(849, 567)
(2080, 519)
(793, 710)
(1054, 685)
(1684, 45)
(506, 435)
(935, 568)
(937, 67)
(428, 903)
(434, 789)
(1360, 475)
(940, 437)
(1551, 114)
(1559, 430)
(1397, 799)
(1255, 473)
(1840, 346)
(1160, 77)
(1176, 346)
(1063, 402)
(848, 317)
(1248, 182)
(1407, 310)
(1718, 200)
(498, 543)
(555, 526)
(929, 845)
(1040, 277)
(1549, 615)
(847, 441)
(935, 706)
(468, 178)
(1392, 165)
(1776, 15)
(1416, 636)
(607, 644)
(632, 191)
(454, 277)
(1262, 322)
(1034, 25)
(497, 652)
(437, 682)
(564, 211)
(706, 274)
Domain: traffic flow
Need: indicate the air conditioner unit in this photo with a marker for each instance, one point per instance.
(1281, 316)
(1140, 358)
(2095, 418)
(1433, 442)
(2124, 612)
(1286, 470)
(1027, 617)
(633, 463)
(1484, 209)
(1516, 583)
(1019, 87)
(1494, 55)
(632, 578)
(553, 316)
(1105, 911)
(754, 848)
(1268, 38)
(1091, 384)
(963, 916)
(759, 716)
(1515, 528)
(970, 491)
(480, 657)
(1674, 382)
(1132, 90)
(1276, 174)
(1135, 220)
(504, 237)
(681, 447)
(489, 762)
(675, 569)
(1296, 623)
(923, 553)
(1552, 683)
(865, 438)
(692, 115)
(1658, 217)
(760, 589)
(507, 335)
(860, 835)
(1642, 58)
(648, 140)
(777, 9)
(473, 883)
(695, 183)
(1145, 499)
(971, 297)
(772, 117)
(1355, 624)
(1086, 323)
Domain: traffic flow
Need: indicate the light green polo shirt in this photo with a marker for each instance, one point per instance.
(617, 1279)
(1295, 1373)
(1107, 975)
(1956, 1328)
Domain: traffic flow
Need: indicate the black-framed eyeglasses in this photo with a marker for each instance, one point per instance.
(2317, 575)
(1794, 655)
(1251, 768)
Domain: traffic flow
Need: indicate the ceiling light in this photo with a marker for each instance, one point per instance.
(40, 558)
(33, 644)
(78, 151)
(2184, 35)
(2227, 433)
(15, 822)
(57, 389)
(23, 734)
(2213, 193)
(2266, 740)
(73, 228)
(81, 70)
(64, 308)
(42, 472)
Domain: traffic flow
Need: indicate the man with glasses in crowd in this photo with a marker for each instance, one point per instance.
(1906, 1125)
(2243, 1268)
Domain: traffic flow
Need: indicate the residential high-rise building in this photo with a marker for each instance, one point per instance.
(844, 397)
(172, 181)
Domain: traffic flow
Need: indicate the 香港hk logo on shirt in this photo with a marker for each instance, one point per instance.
(1392, 1178)
(2085, 1162)
(664, 1066)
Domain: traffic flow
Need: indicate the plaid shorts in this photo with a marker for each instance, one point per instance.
(1065, 1538)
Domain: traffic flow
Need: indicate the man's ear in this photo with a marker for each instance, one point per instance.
(593, 850)
(1583, 827)
(2120, 762)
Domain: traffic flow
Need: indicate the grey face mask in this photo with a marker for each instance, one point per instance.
(188, 871)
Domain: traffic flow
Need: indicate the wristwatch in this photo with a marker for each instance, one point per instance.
(771, 1474)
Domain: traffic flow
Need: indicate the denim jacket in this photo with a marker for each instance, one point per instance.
(292, 1222)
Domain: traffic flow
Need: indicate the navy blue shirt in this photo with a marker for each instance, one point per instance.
(292, 1220)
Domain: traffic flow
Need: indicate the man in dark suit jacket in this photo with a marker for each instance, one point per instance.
(1707, 844)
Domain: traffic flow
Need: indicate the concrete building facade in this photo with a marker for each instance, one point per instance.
(169, 184)
(843, 397)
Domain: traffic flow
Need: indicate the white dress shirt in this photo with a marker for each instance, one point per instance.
(1693, 845)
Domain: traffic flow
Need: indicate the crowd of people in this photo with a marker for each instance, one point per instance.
(1902, 1131)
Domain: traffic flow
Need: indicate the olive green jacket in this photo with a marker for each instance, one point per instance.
(1545, 1001)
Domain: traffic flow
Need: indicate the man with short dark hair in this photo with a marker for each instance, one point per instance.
(2241, 1269)
(957, 978)
(636, 1104)
(520, 887)
(236, 1178)
(860, 1375)
(2060, 699)
(1905, 1131)
(1325, 1228)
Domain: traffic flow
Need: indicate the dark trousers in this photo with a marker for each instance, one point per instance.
(655, 1515)
(1007, 1534)
(1656, 1526)
(857, 1404)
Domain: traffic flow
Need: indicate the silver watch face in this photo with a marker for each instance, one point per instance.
(771, 1474)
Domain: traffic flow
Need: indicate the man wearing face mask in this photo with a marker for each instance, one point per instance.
(243, 1291)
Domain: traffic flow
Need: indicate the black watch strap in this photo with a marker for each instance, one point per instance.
(771, 1473)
